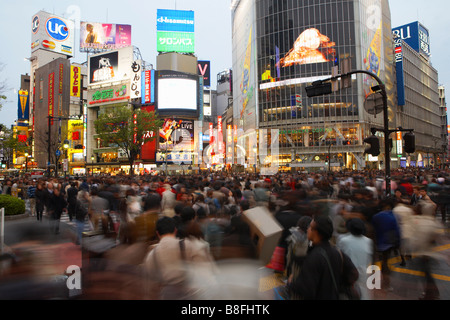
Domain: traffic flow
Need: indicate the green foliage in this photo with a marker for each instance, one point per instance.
(127, 129)
(13, 206)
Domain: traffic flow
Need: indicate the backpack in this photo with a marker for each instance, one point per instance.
(81, 211)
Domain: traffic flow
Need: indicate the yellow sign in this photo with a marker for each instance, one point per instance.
(75, 80)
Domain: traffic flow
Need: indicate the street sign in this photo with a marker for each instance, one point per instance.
(58, 153)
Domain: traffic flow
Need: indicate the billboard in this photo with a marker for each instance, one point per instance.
(416, 36)
(310, 47)
(168, 41)
(175, 31)
(110, 66)
(174, 20)
(75, 81)
(52, 33)
(176, 141)
(177, 93)
(104, 36)
(204, 70)
(23, 105)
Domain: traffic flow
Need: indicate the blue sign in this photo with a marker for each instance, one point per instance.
(57, 29)
(416, 36)
(175, 20)
(398, 55)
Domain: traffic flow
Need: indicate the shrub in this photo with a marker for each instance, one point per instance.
(13, 206)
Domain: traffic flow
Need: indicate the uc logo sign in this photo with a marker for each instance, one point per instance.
(57, 29)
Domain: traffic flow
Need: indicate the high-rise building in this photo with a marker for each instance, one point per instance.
(418, 98)
(279, 48)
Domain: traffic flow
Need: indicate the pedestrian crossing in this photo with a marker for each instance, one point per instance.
(65, 219)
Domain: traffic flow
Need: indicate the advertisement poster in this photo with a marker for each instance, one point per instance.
(110, 66)
(104, 36)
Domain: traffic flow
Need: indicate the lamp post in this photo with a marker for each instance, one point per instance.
(66, 161)
(92, 163)
(26, 162)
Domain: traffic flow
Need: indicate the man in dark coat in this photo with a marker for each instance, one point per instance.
(72, 193)
(316, 281)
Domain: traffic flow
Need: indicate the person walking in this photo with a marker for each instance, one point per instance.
(359, 249)
(326, 272)
(31, 193)
(58, 204)
(72, 193)
(41, 199)
(81, 211)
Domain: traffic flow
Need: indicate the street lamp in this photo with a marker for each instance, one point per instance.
(66, 160)
(26, 161)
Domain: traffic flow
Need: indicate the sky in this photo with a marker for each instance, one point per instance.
(212, 32)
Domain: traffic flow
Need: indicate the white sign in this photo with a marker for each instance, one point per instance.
(136, 80)
(52, 33)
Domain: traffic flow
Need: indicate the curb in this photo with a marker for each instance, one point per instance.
(17, 217)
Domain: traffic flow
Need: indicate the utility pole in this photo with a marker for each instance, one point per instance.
(324, 87)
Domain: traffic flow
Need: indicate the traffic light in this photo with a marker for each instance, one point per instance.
(410, 142)
(374, 148)
(319, 89)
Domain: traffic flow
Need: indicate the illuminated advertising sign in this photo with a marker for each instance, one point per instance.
(52, 33)
(175, 31)
(110, 66)
(174, 20)
(204, 70)
(148, 87)
(177, 93)
(104, 36)
(220, 135)
(416, 36)
(148, 150)
(176, 140)
(24, 105)
(75, 83)
(310, 47)
(398, 54)
(182, 42)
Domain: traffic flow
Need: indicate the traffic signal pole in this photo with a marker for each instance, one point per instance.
(326, 89)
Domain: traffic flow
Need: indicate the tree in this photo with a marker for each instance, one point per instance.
(10, 144)
(3, 88)
(126, 129)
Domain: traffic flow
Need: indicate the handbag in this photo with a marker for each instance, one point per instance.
(347, 292)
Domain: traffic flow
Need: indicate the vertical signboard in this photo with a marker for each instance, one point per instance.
(51, 94)
(136, 79)
(148, 87)
(61, 78)
(24, 105)
(398, 55)
(75, 82)
(204, 70)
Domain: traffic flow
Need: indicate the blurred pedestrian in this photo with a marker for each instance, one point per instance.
(359, 249)
(326, 272)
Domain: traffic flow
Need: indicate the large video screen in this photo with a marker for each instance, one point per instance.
(177, 93)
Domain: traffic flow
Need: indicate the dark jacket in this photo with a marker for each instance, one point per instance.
(57, 205)
(40, 198)
(315, 281)
(72, 196)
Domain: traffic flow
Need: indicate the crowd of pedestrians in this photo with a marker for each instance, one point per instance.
(334, 224)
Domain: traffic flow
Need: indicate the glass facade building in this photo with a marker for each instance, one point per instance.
(281, 46)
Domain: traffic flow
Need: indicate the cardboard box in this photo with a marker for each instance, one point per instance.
(265, 231)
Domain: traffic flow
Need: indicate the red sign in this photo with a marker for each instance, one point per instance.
(220, 134)
(148, 81)
(148, 151)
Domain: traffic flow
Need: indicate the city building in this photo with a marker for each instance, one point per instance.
(281, 47)
(420, 106)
